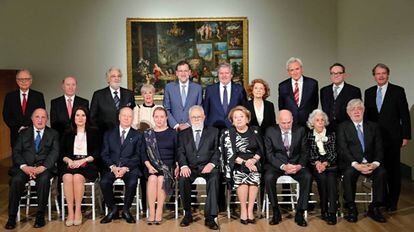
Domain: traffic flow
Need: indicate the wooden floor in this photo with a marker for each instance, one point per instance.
(400, 221)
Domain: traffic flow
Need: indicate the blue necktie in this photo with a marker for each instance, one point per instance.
(379, 99)
(225, 100)
(361, 137)
(183, 95)
(37, 141)
(116, 100)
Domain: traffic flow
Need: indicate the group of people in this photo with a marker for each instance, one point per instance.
(220, 136)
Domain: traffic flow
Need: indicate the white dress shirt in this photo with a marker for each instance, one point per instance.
(228, 92)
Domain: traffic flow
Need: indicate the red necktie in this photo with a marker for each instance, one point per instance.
(24, 103)
(296, 93)
(70, 107)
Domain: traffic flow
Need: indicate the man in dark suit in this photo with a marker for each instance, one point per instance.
(34, 158)
(106, 102)
(180, 95)
(287, 154)
(298, 94)
(221, 97)
(335, 96)
(198, 155)
(121, 154)
(387, 105)
(20, 104)
(360, 153)
(61, 107)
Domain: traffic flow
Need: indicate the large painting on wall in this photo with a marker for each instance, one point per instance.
(155, 46)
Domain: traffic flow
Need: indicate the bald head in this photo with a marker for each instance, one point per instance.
(125, 117)
(69, 85)
(39, 118)
(285, 120)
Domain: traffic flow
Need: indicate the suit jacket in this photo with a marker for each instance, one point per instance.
(394, 117)
(24, 151)
(126, 155)
(103, 110)
(177, 113)
(207, 152)
(308, 103)
(215, 115)
(269, 116)
(329, 145)
(12, 111)
(93, 143)
(59, 118)
(276, 153)
(336, 109)
(349, 147)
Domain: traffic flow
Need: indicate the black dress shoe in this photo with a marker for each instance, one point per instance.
(324, 215)
(39, 222)
(331, 219)
(211, 224)
(352, 215)
(251, 221)
(300, 220)
(128, 217)
(376, 214)
(244, 222)
(11, 224)
(277, 217)
(186, 221)
(391, 209)
(110, 216)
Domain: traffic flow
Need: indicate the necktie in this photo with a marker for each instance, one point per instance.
(335, 93)
(70, 107)
(379, 99)
(286, 141)
(24, 103)
(123, 137)
(37, 141)
(361, 137)
(197, 138)
(225, 100)
(183, 94)
(116, 100)
(296, 93)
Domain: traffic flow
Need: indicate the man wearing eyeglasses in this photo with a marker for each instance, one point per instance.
(336, 96)
(20, 104)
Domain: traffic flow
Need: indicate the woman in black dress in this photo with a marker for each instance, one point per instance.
(323, 156)
(160, 163)
(79, 147)
(242, 149)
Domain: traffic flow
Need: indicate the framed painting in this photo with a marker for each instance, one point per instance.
(155, 46)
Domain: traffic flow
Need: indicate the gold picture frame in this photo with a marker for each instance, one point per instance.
(156, 45)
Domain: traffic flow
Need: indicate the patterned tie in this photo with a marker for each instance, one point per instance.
(361, 137)
(197, 138)
(116, 100)
(296, 93)
(225, 99)
(24, 103)
(183, 95)
(335, 93)
(286, 141)
(123, 137)
(379, 99)
(37, 141)
(70, 107)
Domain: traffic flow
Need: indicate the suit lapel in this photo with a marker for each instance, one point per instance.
(304, 92)
(202, 138)
(233, 94)
(217, 93)
(386, 97)
(177, 91)
(126, 141)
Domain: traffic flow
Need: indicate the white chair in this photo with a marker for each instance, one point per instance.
(196, 193)
(88, 198)
(26, 201)
(293, 193)
(120, 194)
(232, 193)
(365, 195)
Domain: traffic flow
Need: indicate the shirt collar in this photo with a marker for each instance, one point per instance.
(300, 81)
(384, 87)
(41, 131)
(126, 130)
(27, 92)
(71, 97)
(113, 90)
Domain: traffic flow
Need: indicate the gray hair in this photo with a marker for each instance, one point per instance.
(225, 65)
(355, 103)
(195, 107)
(147, 87)
(293, 60)
(313, 115)
(113, 69)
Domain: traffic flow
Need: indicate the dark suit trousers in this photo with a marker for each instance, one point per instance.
(327, 189)
(378, 186)
(131, 181)
(304, 177)
(17, 188)
(212, 179)
(392, 159)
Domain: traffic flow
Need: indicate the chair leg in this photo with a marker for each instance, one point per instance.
(63, 202)
(49, 207)
(228, 203)
(93, 201)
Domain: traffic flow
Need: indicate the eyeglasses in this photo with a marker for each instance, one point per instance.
(336, 73)
(196, 117)
(23, 79)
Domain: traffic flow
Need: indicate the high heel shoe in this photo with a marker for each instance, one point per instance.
(251, 221)
(69, 222)
(77, 222)
(244, 222)
(150, 222)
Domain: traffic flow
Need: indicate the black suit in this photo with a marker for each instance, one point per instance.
(196, 159)
(12, 111)
(269, 116)
(308, 103)
(395, 124)
(276, 155)
(128, 155)
(24, 153)
(59, 118)
(103, 110)
(350, 150)
(336, 108)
